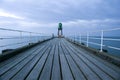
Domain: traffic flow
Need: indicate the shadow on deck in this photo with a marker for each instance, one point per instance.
(57, 59)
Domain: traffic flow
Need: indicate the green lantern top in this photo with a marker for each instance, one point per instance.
(60, 26)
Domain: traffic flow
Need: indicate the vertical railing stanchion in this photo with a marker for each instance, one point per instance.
(40, 38)
(80, 38)
(21, 35)
(18, 38)
(101, 47)
(30, 38)
(36, 37)
(87, 39)
(74, 38)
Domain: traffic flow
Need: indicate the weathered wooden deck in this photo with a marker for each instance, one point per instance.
(57, 59)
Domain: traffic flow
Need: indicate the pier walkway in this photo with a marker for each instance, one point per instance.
(57, 59)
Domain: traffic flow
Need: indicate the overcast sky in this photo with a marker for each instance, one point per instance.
(44, 15)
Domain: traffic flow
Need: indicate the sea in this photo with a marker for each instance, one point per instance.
(109, 43)
(16, 42)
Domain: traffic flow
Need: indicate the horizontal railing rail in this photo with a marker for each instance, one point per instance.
(101, 38)
(11, 39)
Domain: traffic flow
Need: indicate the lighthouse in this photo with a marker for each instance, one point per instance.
(60, 32)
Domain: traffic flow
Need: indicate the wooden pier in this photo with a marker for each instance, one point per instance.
(57, 59)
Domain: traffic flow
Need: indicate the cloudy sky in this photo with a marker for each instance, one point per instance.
(44, 15)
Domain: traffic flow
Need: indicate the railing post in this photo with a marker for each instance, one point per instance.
(87, 39)
(21, 35)
(74, 38)
(71, 38)
(101, 47)
(80, 38)
(30, 37)
(38, 37)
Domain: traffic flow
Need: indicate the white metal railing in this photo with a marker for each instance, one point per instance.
(90, 38)
(10, 38)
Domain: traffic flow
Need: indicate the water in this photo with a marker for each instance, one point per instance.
(106, 43)
(16, 42)
(26, 40)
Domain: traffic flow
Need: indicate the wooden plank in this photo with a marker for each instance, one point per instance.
(11, 72)
(35, 73)
(85, 69)
(100, 73)
(14, 58)
(22, 74)
(75, 69)
(76, 72)
(16, 68)
(110, 71)
(66, 73)
(90, 75)
(48, 66)
(8, 66)
(106, 63)
(56, 66)
(61, 61)
(112, 66)
(102, 66)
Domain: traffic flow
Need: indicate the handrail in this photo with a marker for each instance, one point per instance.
(18, 30)
(89, 38)
(13, 44)
(20, 37)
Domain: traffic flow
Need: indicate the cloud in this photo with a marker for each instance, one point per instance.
(44, 15)
(9, 0)
(7, 14)
(54, 10)
(87, 23)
